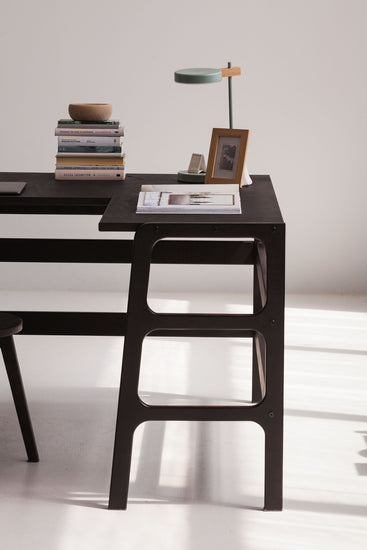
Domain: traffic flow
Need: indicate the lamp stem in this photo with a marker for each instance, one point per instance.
(230, 97)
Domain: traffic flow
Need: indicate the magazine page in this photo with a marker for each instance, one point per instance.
(199, 199)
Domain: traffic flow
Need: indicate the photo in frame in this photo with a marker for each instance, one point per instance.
(227, 156)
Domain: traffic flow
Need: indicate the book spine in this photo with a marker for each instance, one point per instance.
(68, 123)
(81, 154)
(61, 174)
(105, 141)
(90, 149)
(90, 167)
(96, 160)
(89, 131)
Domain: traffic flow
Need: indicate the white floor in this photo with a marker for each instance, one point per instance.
(194, 485)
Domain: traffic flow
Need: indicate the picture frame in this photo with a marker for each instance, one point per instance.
(227, 156)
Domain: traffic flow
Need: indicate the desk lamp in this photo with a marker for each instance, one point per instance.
(207, 76)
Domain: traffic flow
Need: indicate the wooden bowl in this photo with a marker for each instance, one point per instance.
(97, 112)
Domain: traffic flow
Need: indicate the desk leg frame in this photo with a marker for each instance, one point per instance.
(266, 323)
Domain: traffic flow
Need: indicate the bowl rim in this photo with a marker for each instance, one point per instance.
(88, 104)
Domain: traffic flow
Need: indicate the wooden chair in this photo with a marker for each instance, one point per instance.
(9, 325)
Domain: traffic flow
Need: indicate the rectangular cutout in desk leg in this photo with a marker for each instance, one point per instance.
(11, 187)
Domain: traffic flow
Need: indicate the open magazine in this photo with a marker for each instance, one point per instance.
(189, 199)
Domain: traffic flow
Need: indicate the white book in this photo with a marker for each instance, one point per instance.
(61, 174)
(88, 141)
(189, 199)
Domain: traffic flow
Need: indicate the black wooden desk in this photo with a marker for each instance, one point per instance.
(262, 226)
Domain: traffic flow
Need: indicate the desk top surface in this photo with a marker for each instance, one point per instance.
(117, 201)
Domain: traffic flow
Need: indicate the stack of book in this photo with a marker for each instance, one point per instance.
(89, 150)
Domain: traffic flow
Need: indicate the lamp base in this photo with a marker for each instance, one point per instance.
(191, 177)
(247, 180)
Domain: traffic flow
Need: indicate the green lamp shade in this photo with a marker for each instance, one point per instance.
(198, 76)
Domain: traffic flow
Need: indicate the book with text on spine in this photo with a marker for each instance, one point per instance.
(88, 131)
(189, 199)
(89, 141)
(69, 123)
(90, 149)
(90, 174)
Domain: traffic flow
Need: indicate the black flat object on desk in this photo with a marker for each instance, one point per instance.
(11, 187)
(254, 237)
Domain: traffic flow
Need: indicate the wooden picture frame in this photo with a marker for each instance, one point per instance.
(227, 156)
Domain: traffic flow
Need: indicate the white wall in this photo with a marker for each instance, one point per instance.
(302, 94)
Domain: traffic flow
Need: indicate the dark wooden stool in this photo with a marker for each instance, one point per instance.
(9, 325)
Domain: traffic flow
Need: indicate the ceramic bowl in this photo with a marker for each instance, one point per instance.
(97, 112)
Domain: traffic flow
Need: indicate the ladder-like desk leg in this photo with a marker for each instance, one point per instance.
(129, 404)
(273, 332)
(266, 323)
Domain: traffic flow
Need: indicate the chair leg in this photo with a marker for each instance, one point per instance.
(20, 401)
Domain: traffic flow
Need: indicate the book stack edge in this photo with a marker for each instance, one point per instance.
(89, 150)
